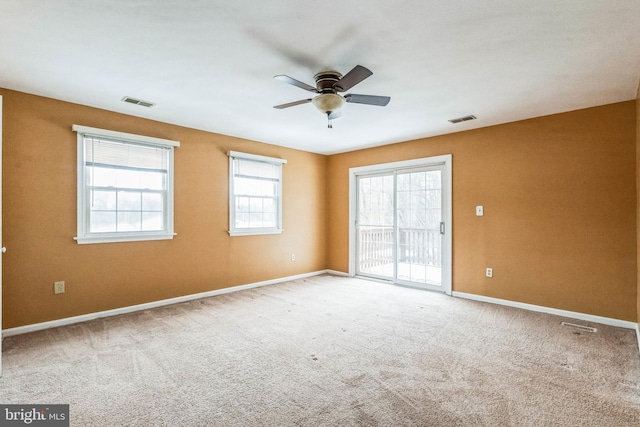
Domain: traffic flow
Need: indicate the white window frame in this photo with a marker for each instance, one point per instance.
(447, 192)
(86, 237)
(233, 231)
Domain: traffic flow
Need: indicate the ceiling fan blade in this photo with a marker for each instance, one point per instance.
(367, 99)
(335, 115)
(292, 104)
(352, 78)
(298, 83)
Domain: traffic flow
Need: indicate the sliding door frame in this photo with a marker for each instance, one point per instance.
(443, 160)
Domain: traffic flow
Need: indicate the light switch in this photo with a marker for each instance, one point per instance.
(479, 210)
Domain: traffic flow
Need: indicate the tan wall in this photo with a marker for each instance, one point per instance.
(638, 193)
(559, 225)
(39, 201)
(560, 208)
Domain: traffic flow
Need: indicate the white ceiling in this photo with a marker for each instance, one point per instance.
(208, 64)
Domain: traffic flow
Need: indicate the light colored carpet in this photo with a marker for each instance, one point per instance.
(329, 351)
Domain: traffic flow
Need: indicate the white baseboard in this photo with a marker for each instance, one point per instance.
(337, 273)
(139, 307)
(564, 313)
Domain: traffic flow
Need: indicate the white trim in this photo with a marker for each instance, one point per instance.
(338, 273)
(253, 231)
(233, 231)
(256, 157)
(402, 164)
(83, 236)
(444, 160)
(124, 237)
(548, 310)
(146, 306)
(86, 130)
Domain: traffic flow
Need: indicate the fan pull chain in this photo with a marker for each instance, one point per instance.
(330, 125)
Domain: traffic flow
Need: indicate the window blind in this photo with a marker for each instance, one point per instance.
(100, 151)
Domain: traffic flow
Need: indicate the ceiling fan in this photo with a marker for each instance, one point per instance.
(328, 84)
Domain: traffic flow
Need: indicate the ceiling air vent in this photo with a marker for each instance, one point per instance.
(462, 119)
(140, 102)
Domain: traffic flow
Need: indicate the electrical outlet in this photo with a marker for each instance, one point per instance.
(479, 210)
(58, 287)
(293, 257)
(489, 272)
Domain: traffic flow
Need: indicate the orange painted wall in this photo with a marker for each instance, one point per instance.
(39, 202)
(638, 194)
(560, 208)
(559, 227)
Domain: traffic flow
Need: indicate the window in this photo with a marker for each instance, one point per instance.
(255, 194)
(125, 186)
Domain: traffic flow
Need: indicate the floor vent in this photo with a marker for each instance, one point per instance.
(463, 119)
(140, 102)
(581, 327)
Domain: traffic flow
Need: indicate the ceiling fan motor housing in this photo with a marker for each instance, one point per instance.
(325, 81)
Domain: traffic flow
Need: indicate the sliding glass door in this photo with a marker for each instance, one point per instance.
(419, 216)
(400, 226)
(376, 226)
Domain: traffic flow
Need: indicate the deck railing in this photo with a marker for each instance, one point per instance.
(376, 247)
(415, 246)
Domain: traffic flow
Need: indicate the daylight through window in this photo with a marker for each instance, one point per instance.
(255, 194)
(125, 187)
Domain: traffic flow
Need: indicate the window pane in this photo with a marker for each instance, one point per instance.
(434, 180)
(418, 181)
(256, 187)
(269, 205)
(152, 221)
(127, 178)
(376, 198)
(256, 205)
(433, 218)
(419, 218)
(129, 221)
(124, 187)
(242, 220)
(152, 180)
(102, 200)
(404, 182)
(255, 220)
(404, 217)
(242, 204)
(152, 202)
(269, 220)
(128, 201)
(102, 177)
(102, 222)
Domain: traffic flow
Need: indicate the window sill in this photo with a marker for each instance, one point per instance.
(255, 232)
(123, 237)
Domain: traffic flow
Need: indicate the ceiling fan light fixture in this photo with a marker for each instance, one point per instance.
(328, 103)
(328, 84)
